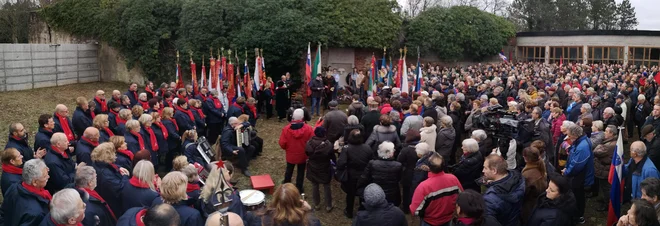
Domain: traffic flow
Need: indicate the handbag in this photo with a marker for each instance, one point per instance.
(341, 175)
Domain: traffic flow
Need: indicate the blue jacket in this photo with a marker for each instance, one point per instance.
(120, 130)
(574, 113)
(252, 118)
(112, 119)
(189, 216)
(41, 140)
(581, 159)
(213, 114)
(173, 138)
(128, 218)
(97, 109)
(163, 146)
(504, 198)
(124, 161)
(58, 125)
(8, 180)
(190, 151)
(137, 197)
(81, 120)
(23, 208)
(146, 139)
(96, 209)
(47, 221)
(22, 147)
(184, 122)
(647, 170)
(234, 111)
(62, 171)
(133, 142)
(84, 152)
(110, 185)
(132, 96)
(104, 136)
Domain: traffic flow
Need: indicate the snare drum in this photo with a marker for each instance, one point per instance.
(253, 199)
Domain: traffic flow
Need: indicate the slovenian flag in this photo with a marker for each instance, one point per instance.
(503, 57)
(308, 70)
(616, 193)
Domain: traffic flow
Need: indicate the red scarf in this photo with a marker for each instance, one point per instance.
(90, 142)
(144, 104)
(97, 196)
(118, 120)
(253, 109)
(238, 106)
(62, 153)
(203, 97)
(137, 183)
(37, 191)
(175, 124)
(18, 138)
(92, 114)
(56, 224)
(187, 111)
(216, 102)
(152, 138)
(153, 94)
(200, 112)
(118, 100)
(183, 97)
(128, 153)
(134, 94)
(139, 216)
(12, 169)
(140, 140)
(192, 187)
(466, 221)
(64, 123)
(114, 166)
(162, 128)
(108, 131)
(104, 106)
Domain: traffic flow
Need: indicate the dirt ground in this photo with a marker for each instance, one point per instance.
(26, 106)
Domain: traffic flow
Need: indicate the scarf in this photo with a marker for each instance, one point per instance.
(176, 125)
(64, 123)
(144, 104)
(63, 153)
(90, 142)
(12, 169)
(200, 112)
(118, 100)
(56, 224)
(182, 97)
(118, 120)
(134, 94)
(192, 187)
(104, 106)
(137, 183)
(162, 128)
(216, 102)
(204, 97)
(148, 90)
(253, 109)
(114, 166)
(108, 131)
(140, 140)
(127, 153)
(152, 138)
(139, 216)
(239, 107)
(38, 191)
(187, 111)
(92, 114)
(97, 196)
(466, 221)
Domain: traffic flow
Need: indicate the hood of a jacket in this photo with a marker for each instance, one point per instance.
(385, 129)
(565, 203)
(357, 105)
(428, 130)
(297, 130)
(511, 188)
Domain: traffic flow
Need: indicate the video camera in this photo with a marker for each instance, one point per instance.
(497, 122)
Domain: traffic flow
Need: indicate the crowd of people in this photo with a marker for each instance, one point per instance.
(427, 152)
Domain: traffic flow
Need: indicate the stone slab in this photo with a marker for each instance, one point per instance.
(18, 72)
(44, 63)
(19, 79)
(45, 84)
(45, 77)
(22, 86)
(62, 82)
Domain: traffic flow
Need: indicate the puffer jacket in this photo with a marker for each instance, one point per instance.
(468, 170)
(293, 139)
(428, 135)
(603, 157)
(349, 128)
(560, 211)
(445, 141)
(556, 128)
(354, 158)
(381, 134)
(387, 174)
(381, 214)
(504, 198)
(319, 150)
(596, 138)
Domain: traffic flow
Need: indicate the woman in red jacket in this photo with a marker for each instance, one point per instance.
(293, 139)
(557, 119)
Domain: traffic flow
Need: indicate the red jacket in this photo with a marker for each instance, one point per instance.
(293, 139)
(441, 190)
(556, 128)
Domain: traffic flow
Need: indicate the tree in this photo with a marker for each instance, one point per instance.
(609, 16)
(14, 19)
(534, 15)
(627, 19)
(459, 32)
(572, 15)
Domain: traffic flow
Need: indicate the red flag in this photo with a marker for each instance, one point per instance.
(373, 76)
(193, 72)
(204, 82)
(657, 78)
(218, 70)
(230, 78)
(179, 81)
(214, 79)
(224, 68)
(248, 84)
(308, 72)
(399, 73)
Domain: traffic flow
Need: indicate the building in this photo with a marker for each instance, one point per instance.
(613, 47)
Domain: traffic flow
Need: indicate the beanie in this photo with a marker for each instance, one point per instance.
(374, 195)
(319, 132)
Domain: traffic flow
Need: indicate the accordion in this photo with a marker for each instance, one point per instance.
(243, 137)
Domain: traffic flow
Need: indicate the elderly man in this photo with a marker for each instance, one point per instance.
(61, 165)
(62, 122)
(596, 108)
(81, 117)
(18, 139)
(26, 203)
(334, 122)
(215, 116)
(11, 168)
(609, 117)
(98, 212)
(46, 126)
(435, 198)
(602, 161)
(116, 97)
(579, 165)
(101, 104)
(654, 118)
(67, 208)
(574, 108)
(132, 94)
(638, 168)
(88, 141)
(229, 146)
(641, 112)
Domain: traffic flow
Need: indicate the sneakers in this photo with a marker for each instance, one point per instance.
(581, 220)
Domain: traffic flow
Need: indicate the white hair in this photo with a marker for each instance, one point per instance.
(33, 170)
(84, 176)
(479, 135)
(641, 97)
(484, 97)
(298, 114)
(386, 150)
(446, 121)
(460, 97)
(65, 205)
(575, 130)
(422, 148)
(598, 124)
(586, 107)
(639, 149)
(567, 124)
(232, 120)
(609, 110)
(471, 145)
(145, 118)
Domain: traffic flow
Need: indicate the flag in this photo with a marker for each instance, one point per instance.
(223, 76)
(616, 172)
(561, 60)
(213, 78)
(218, 72)
(257, 74)
(418, 80)
(203, 81)
(382, 65)
(404, 77)
(193, 73)
(316, 67)
(308, 70)
(246, 80)
(657, 78)
(389, 74)
(373, 76)
(263, 72)
(399, 72)
(230, 80)
(238, 80)
(179, 80)
(503, 57)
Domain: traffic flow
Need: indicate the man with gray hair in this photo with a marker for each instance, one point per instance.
(97, 209)
(62, 167)
(639, 167)
(334, 122)
(230, 147)
(67, 208)
(26, 203)
(214, 110)
(579, 165)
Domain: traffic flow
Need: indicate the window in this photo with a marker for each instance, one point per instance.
(644, 56)
(567, 54)
(531, 53)
(608, 55)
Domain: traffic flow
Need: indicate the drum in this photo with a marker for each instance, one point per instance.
(253, 199)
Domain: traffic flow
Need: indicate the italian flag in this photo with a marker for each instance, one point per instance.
(316, 67)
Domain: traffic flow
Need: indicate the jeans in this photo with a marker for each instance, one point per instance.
(316, 105)
(300, 177)
(316, 196)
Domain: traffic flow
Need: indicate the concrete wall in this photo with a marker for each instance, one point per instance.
(30, 66)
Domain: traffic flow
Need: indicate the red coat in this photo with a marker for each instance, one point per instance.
(293, 139)
(435, 198)
(556, 128)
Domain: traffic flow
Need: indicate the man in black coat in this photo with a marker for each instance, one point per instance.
(62, 168)
(334, 122)
(378, 210)
(81, 118)
(215, 116)
(18, 139)
(316, 86)
(654, 118)
(97, 209)
(26, 203)
(132, 94)
(641, 111)
(370, 119)
(281, 98)
(229, 146)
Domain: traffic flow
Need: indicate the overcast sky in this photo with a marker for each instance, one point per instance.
(646, 13)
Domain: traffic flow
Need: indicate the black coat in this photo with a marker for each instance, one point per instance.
(296, 105)
(381, 134)
(386, 214)
(84, 152)
(21, 207)
(430, 112)
(96, 211)
(133, 196)
(41, 140)
(316, 87)
(173, 138)
(184, 122)
(561, 211)
(22, 147)
(468, 170)
(408, 159)
(385, 173)
(319, 154)
(58, 125)
(62, 171)
(445, 141)
(81, 120)
(354, 158)
(369, 120)
(334, 122)
(110, 185)
(9, 179)
(213, 114)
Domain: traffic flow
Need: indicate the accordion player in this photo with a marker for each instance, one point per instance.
(233, 144)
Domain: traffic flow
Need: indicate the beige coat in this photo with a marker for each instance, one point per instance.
(428, 135)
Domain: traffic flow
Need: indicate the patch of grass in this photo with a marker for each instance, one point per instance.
(26, 106)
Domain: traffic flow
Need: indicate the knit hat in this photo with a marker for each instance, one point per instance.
(646, 130)
(374, 195)
(385, 110)
(319, 132)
